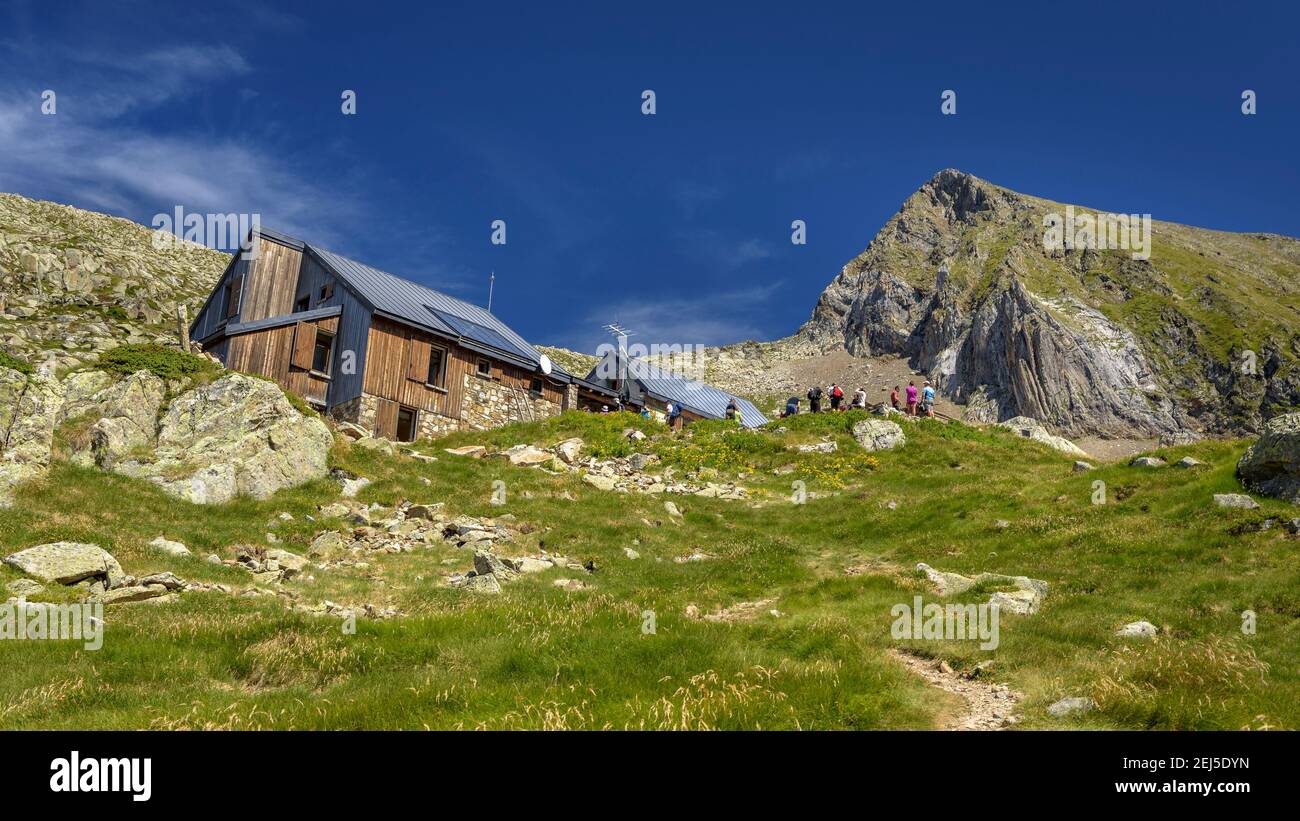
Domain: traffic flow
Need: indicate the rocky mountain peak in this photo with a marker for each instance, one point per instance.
(1092, 340)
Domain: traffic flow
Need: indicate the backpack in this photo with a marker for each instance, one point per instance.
(814, 394)
(839, 394)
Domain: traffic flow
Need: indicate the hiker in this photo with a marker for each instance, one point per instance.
(674, 416)
(604, 408)
(893, 397)
(791, 407)
(732, 410)
(837, 396)
(911, 398)
(645, 412)
(860, 399)
(815, 399)
(927, 400)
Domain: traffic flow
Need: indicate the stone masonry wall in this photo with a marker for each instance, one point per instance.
(489, 404)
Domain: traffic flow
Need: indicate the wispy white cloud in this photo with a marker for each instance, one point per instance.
(93, 153)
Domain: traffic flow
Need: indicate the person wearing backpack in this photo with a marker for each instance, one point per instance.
(674, 416)
(791, 407)
(815, 399)
(732, 410)
(837, 396)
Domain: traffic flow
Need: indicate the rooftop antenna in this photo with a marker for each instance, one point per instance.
(492, 278)
(621, 334)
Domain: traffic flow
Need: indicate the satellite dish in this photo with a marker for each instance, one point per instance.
(545, 362)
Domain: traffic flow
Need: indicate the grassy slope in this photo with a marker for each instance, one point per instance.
(537, 656)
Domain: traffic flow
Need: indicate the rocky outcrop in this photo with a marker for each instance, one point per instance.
(29, 410)
(128, 419)
(236, 436)
(1272, 465)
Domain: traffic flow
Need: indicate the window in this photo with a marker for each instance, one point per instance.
(536, 385)
(326, 291)
(303, 304)
(323, 353)
(233, 289)
(436, 358)
(485, 368)
(406, 428)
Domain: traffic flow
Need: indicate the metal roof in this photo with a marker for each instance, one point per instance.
(693, 395)
(414, 303)
(287, 319)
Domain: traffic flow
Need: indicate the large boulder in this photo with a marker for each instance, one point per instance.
(1033, 429)
(1272, 465)
(878, 434)
(236, 436)
(29, 410)
(66, 562)
(128, 412)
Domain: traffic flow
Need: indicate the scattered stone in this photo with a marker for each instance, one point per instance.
(1147, 462)
(631, 554)
(1188, 462)
(67, 563)
(1141, 629)
(1272, 465)
(1024, 600)
(1081, 466)
(569, 450)
(600, 482)
(472, 451)
(24, 587)
(1037, 431)
(672, 509)
(1071, 706)
(1002, 524)
(878, 434)
(351, 487)
(820, 447)
(691, 612)
(1239, 501)
(169, 547)
(570, 584)
(134, 593)
(525, 455)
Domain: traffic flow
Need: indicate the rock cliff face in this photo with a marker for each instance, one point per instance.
(1201, 335)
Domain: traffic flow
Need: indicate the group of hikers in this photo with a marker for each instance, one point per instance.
(918, 402)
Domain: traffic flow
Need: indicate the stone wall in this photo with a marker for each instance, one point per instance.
(488, 404)
(360, 410)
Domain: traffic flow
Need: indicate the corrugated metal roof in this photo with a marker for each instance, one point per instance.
(431, 309)
(693, 395)
(287, 319)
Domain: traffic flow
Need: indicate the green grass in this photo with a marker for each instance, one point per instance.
(8, 360)
(539, 657)
(164, 362)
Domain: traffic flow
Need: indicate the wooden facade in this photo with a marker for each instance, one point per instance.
(270, 352)
(270, 308)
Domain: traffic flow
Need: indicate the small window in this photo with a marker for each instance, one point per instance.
(303, 304)
(484, 367)
(233, 289)
(536, 385)
(406, 428)
(323, 354)
(326, 291)
(436, 357)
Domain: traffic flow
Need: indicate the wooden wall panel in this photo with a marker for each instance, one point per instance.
(388, 361)
(267, 353)
(386, 419)
(271, 282)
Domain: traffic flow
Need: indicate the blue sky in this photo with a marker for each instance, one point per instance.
(676, 224)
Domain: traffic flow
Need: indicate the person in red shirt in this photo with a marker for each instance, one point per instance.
(893, 397)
